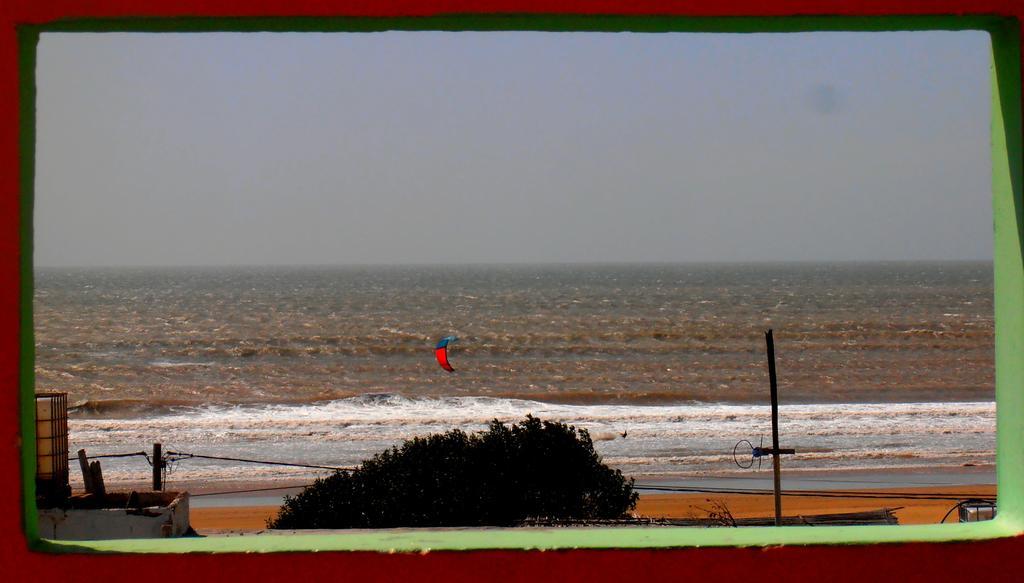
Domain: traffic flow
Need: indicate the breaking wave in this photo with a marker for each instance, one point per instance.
(664, 439)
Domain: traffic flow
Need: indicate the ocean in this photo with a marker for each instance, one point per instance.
(881, 365)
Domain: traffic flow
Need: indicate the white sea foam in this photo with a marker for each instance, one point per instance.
(688, 438)
(169, 364)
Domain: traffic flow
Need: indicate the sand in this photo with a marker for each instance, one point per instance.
(911, 511)
(231, 518)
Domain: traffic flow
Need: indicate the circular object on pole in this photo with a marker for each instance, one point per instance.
(735, 451)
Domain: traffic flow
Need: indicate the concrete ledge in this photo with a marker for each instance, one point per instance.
(118, 516)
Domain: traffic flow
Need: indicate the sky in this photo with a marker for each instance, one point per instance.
(511, 147)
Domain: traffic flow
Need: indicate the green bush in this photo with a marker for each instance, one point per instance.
(497, 477)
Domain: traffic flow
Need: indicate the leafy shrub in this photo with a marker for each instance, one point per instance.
(497, 477)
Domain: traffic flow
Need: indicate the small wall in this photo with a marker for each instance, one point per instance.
(164, 514)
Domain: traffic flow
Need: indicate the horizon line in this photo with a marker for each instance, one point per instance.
(518, 263)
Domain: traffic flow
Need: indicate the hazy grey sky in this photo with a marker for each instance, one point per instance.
(412, 147)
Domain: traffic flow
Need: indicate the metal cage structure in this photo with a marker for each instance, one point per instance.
(52, 485)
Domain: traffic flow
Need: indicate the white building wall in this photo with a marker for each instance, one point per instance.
(111, 523)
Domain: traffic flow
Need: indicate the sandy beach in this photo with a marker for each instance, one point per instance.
(907, 510)
(253, 518)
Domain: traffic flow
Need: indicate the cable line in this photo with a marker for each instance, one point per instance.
(176, 456)
(182, 455)
(106, 455)
(250, 490)
(816, 493)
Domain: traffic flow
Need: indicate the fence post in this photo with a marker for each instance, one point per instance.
(83, 462)
(97, 479)
(158, 466)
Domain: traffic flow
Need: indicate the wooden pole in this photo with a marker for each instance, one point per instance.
(83, 462)
(158, 466)
(775, 427)
(97, 479)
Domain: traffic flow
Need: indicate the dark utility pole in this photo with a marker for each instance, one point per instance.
(775, 428)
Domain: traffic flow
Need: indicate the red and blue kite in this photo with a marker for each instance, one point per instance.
(441, 352)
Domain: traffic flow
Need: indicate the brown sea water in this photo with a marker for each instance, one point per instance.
(849, 332)
(879, 364)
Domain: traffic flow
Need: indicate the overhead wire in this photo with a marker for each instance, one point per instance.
(182, 455)
(250, 490)
(814, 493)
(109, 455)
(172, 457)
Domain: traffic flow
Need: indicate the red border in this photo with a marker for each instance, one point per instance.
(991, 560)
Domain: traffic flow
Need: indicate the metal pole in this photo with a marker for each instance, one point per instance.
(775, 427)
